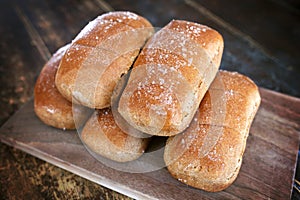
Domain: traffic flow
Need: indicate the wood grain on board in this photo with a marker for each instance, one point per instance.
(267, 171)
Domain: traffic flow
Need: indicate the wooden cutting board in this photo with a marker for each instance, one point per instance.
(267, 171)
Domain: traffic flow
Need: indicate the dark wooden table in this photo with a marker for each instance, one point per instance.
(261, 41)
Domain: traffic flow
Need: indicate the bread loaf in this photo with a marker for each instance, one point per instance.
(170, 77)
(49, 105)
(99, 55)
(102, 135)
(208, 155)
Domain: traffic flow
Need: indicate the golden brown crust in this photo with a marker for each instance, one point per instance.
(208, 155)
(103, 51)
(49, 104)
(208, 38)
(102, 135)
(168, 58)
(182, 60)
(213, 170)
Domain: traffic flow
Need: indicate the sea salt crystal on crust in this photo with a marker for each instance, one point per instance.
(229, 92)
(130, 15)
(161, 81)
(182, 180)
(50, 110)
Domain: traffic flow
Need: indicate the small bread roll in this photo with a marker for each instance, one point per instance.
(102, 135)
(170, 77)
(99, 55)
(208, 155)
(49, 105)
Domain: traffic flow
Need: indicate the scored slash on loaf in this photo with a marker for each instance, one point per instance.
(170, 77)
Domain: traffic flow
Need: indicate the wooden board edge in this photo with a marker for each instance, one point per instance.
(74, 169)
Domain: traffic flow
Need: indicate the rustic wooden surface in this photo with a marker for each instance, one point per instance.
(261, 41)
(267, 171)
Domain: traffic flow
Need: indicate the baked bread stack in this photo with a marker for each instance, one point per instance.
(174, 89)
